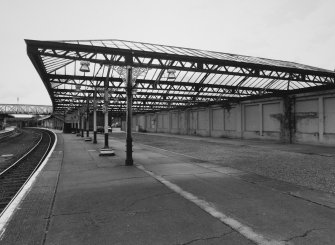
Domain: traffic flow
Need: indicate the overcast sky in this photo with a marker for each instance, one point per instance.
(302, 31)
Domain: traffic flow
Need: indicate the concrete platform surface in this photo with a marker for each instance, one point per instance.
(167, 198)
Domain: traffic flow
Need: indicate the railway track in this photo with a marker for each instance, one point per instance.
(13, 178)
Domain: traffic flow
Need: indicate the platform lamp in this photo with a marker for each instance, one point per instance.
(84, 66)
(171, 74)
(78, 88)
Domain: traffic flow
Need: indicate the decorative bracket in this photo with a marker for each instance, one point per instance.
(122, 72)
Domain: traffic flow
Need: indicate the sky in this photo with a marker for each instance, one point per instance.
(301, 31)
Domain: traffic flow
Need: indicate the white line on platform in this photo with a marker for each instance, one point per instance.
(204, 205)
(7, 214)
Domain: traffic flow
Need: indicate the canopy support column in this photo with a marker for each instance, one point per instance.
(106, 108)
(95, 117)
(129, 140)
(87, 119)
(106, 151)
(88, 138)
(82, 125)
(78, 124)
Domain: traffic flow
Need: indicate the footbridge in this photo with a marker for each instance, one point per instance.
(26, 109)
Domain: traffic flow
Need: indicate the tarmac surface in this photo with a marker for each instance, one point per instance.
(166, 198)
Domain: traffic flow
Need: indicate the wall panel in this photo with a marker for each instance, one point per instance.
(203, 120)
(306, 116)
(165, 121)
(251, 118)
(160, 121)
(218, 119)
(174, 120)
(329, 115)
(271, 117)
(230, 119)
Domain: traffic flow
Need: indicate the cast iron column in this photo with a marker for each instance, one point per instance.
(106, 126)
(78, 124)
(106, 106)
(95, 117)
(82, 125)
(87, 119)
(129, 140)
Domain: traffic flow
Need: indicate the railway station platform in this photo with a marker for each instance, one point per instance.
(6, 132)
(166, 198)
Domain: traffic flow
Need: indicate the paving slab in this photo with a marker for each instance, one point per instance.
(166, 198)
(81, 198)
(28, 224)
(276, 209)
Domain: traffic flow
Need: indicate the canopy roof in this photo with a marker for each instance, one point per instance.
(201, 77)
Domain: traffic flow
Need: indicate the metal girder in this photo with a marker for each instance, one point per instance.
(185, 63)
(182, 91)
(203, 76)
(147, 84)
(25, 109)
(152, 99)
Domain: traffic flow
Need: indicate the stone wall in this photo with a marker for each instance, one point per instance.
(301, 118)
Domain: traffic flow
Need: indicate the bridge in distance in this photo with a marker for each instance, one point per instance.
(26, 109)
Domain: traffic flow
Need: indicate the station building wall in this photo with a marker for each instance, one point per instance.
(301, 118)
(52, 123)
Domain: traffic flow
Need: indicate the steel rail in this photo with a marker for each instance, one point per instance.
(32, 173)
(18, 161)
(26, 173)
(42, 158)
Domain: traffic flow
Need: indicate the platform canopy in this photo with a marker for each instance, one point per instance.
(173, 77)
